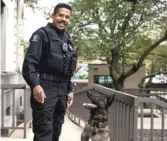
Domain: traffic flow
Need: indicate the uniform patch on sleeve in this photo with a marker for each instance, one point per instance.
(35, 38)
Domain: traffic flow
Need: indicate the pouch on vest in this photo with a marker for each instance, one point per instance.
(62, 58)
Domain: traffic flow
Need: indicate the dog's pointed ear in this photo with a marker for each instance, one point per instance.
(110, 100)
(88, 94)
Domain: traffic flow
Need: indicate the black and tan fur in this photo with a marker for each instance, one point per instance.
(97, 127)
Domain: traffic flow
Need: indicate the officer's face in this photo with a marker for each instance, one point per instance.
(61, 19)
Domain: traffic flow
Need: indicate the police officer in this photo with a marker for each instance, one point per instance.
(48, 66)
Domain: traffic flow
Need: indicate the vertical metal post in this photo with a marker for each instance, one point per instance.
(2, 108)
(141, 129)
(114, 119)
(135, 123)
(119, 121)
(13, 109)
(127, 122)
(25, 111)
(131, 122)
(163, 125)
(124, 122)
(152, 118)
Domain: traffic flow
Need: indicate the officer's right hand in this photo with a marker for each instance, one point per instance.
(39, 94)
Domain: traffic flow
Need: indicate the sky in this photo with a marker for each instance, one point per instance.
(33, 21)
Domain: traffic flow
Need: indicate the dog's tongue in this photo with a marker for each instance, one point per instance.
(89, 105)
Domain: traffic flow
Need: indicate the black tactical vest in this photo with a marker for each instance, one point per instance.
(61, 56)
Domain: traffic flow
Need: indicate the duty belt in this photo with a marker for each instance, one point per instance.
(51, 77)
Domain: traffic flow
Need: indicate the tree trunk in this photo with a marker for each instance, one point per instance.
(119, 85)
(118, 79)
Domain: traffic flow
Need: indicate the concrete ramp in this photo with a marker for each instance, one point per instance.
(70, 132)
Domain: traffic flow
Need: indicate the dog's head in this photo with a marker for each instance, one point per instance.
(99, 101)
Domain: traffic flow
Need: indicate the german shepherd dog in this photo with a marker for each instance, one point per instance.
(97, 127)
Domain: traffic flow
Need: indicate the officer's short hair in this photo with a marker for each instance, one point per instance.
(61, 5)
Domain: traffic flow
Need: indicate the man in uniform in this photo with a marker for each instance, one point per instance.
(48, 66)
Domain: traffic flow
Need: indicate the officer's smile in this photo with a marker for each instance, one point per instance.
(61, 18)
(61, 24)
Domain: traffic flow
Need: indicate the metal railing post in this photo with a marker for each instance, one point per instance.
(135, 123)
(152, 121)
(13, 109)
(163, 125)
(141, 125)
(25, 111)
(2, 109)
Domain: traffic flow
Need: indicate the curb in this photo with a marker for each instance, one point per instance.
(75, 119)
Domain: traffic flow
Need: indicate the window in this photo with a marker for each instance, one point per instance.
(8, 111)
(103, 80)
(21, 101)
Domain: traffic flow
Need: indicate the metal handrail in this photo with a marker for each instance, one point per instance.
(124, 114)
(139, 102)
(27, 110)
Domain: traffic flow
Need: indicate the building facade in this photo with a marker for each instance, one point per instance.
(99, 74)
(12, 53)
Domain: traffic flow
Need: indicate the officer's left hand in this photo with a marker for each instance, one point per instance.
(70, 99)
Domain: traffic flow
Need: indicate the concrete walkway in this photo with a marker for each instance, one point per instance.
(70, 132)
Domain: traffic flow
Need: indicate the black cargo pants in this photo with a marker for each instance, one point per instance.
(49, 116)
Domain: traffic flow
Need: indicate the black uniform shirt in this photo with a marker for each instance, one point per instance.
(32, 64)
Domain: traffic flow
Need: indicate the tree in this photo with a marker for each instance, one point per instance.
(157, 65)
(31, 3)
(158, 60)
(25, 46)
(114, 29)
